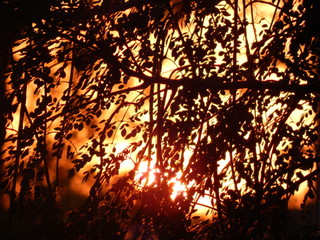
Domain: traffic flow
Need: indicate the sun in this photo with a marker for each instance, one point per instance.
(146, 176)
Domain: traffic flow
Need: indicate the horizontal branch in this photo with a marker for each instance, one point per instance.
(211, 83)
(216, 84)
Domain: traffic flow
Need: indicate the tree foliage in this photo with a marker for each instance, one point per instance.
(217, 97)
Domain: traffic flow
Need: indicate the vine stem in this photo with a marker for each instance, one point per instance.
(44, 153)
(216, 185)
(233, 172)
(235, 40)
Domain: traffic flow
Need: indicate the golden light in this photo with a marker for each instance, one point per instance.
(146, 170)
(263, 15)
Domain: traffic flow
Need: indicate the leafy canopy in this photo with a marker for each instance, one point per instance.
(217, 97)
